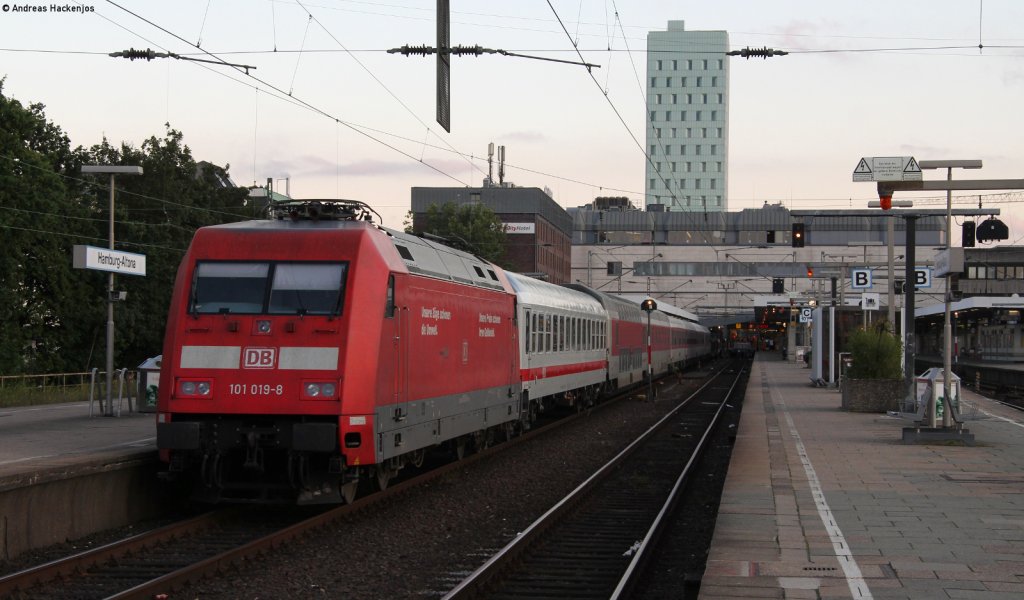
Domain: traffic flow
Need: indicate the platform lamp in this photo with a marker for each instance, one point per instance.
(113, 171)
(649, 306)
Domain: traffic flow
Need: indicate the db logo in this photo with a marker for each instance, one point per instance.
(259, 358)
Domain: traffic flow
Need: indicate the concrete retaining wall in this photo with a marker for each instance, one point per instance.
(65, 503)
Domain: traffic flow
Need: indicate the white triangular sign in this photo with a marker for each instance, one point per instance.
(912, 166)
(862, 167)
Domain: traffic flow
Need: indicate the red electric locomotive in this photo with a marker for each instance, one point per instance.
(309, 352)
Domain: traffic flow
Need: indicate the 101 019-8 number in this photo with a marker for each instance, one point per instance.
(256, 389)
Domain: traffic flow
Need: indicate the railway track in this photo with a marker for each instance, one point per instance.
(166, 559)
(596, 541)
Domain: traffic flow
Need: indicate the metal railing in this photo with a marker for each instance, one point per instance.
(53, 388)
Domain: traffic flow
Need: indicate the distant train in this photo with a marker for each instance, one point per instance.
(310, 352)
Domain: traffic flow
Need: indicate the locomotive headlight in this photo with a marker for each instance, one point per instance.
(195, 388)
(263, 326)
(320, 390)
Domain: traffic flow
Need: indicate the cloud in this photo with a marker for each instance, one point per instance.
(925, 152)
(523, 136)
(310, 166)
(1013, 77)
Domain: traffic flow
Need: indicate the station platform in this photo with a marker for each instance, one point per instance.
(39, 439)
(823, 503)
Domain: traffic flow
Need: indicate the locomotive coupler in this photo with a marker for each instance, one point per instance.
(253, 453)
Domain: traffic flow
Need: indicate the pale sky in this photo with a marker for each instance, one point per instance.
(865, 78)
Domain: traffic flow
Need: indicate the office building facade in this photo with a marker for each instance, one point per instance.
(687, 120)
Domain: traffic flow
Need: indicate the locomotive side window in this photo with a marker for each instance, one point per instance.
(389, 305)
(235, 287)
(306, 288)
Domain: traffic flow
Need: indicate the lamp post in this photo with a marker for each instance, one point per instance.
(113, 171)
(947, 329)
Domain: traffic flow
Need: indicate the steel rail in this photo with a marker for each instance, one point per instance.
(649, 542)
(476, 583)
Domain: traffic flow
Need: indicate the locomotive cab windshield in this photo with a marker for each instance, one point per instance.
(275, 288)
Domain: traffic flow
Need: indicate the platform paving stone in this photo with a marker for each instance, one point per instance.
(918, 521)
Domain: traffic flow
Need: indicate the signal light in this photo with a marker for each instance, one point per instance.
(968, 234)
(648, 305)
(810, 271)
(798, 235)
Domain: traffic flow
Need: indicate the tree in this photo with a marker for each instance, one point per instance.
(157, 215)
(472, 227)
(40, 294)
(52, 316)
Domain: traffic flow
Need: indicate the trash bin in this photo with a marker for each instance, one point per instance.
(930, 384)
(149, 384)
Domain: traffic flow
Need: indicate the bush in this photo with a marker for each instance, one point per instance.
(875, 353)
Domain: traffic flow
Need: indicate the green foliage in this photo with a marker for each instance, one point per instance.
(157, 214)
(875, 353)
(52, 316)
(472, 227)
(42, 317)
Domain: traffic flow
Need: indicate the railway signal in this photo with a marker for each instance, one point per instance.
(798, 235)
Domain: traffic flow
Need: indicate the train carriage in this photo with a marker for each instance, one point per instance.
(563, 352)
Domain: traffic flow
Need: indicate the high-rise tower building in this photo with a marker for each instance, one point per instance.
(687, 119)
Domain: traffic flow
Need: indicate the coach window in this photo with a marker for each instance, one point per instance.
(547, 333)
(526, 337)
(556, 330)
